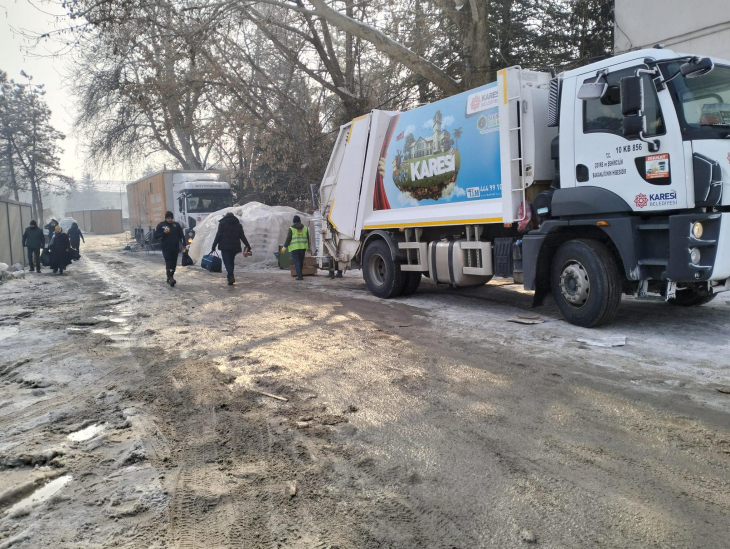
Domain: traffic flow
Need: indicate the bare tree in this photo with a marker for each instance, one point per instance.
(9, 125)
(35, 142)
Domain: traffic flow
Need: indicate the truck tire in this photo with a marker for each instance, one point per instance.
(586, 283)
(382, 275)
(413, 281)
(690, 298)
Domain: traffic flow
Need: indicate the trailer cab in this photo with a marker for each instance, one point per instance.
(196, 200)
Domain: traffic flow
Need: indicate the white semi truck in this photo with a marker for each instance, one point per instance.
(190, 195)
(609, 179)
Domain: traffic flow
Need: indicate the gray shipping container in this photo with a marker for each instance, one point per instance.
(14, 218)
(98, 221)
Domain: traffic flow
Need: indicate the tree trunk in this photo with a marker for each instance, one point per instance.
(11, 171)
(418, 47)
(476, 46)
(349, 50)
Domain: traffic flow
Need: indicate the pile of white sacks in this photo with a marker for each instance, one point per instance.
(265, 226)
(11, 272)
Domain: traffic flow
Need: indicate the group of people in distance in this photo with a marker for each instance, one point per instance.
(62, 247)
(228, 240)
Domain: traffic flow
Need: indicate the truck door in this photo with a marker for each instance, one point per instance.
(646, 180)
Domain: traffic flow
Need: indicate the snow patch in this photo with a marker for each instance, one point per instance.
(88, 433)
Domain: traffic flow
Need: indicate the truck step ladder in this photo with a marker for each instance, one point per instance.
(416, 251)
(148, 237)
(516, 101)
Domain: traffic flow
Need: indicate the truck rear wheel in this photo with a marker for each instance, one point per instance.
(413, 281)
(586, 283)
(382, 275)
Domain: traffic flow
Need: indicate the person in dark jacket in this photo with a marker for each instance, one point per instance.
(172, 240)
(297, 242)
(51, 228)
(228, 240)
(76, 236)
(34, 240)
(60, 248)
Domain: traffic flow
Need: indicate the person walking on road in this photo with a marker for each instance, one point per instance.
(51, 228)
(228, 239)
(172, 240)
(34, 240)
(76, 236)
(60, 248)
(297, 242)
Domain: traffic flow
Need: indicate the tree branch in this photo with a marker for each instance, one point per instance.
(388, 46)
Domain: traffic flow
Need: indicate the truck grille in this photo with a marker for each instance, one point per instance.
(554, 103)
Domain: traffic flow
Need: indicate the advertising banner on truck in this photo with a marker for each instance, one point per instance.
(447, 151)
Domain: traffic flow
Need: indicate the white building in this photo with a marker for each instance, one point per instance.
(685, 26)
(438, 142)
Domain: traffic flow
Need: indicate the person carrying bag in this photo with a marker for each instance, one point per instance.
(228, 240)
(297, 242)
(172, 240)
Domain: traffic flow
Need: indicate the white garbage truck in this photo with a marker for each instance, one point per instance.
(601, 181)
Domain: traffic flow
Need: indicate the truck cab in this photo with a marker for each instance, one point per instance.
(198, 199)
(644, 160)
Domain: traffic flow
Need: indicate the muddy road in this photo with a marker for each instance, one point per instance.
(277, 413)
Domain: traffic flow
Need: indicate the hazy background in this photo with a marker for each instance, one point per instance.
(18, 17)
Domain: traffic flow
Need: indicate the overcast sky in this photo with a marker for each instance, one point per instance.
(46, 68)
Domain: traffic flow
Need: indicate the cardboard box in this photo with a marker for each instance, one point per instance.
(309, 267)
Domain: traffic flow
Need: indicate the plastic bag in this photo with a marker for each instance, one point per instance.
(46, 257)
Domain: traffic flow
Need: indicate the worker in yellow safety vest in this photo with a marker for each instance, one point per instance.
(297, 242)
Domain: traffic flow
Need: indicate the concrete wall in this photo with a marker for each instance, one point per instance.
(14, 218)
(685, 26)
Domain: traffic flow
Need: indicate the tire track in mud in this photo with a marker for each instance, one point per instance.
(247, 508)
(192, 499)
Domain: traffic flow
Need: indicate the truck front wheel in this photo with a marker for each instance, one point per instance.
(382, 275)
(586, 283)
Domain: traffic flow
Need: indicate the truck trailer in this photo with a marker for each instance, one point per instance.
(190, 195)
(605, 180)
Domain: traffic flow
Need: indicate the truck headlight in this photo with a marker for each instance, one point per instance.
(697, 230)
(695, 256)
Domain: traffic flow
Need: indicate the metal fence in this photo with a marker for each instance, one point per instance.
(14, 218)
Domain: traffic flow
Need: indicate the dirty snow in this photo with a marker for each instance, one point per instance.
(422, 421)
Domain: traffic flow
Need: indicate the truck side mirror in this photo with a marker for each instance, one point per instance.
(632, 95)
(590, 91)
(632, 107)
(697, 66)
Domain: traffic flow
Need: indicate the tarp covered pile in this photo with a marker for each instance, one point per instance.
(265, 227)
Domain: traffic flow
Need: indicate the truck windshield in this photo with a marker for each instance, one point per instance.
(703, 103)
(205, 203)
